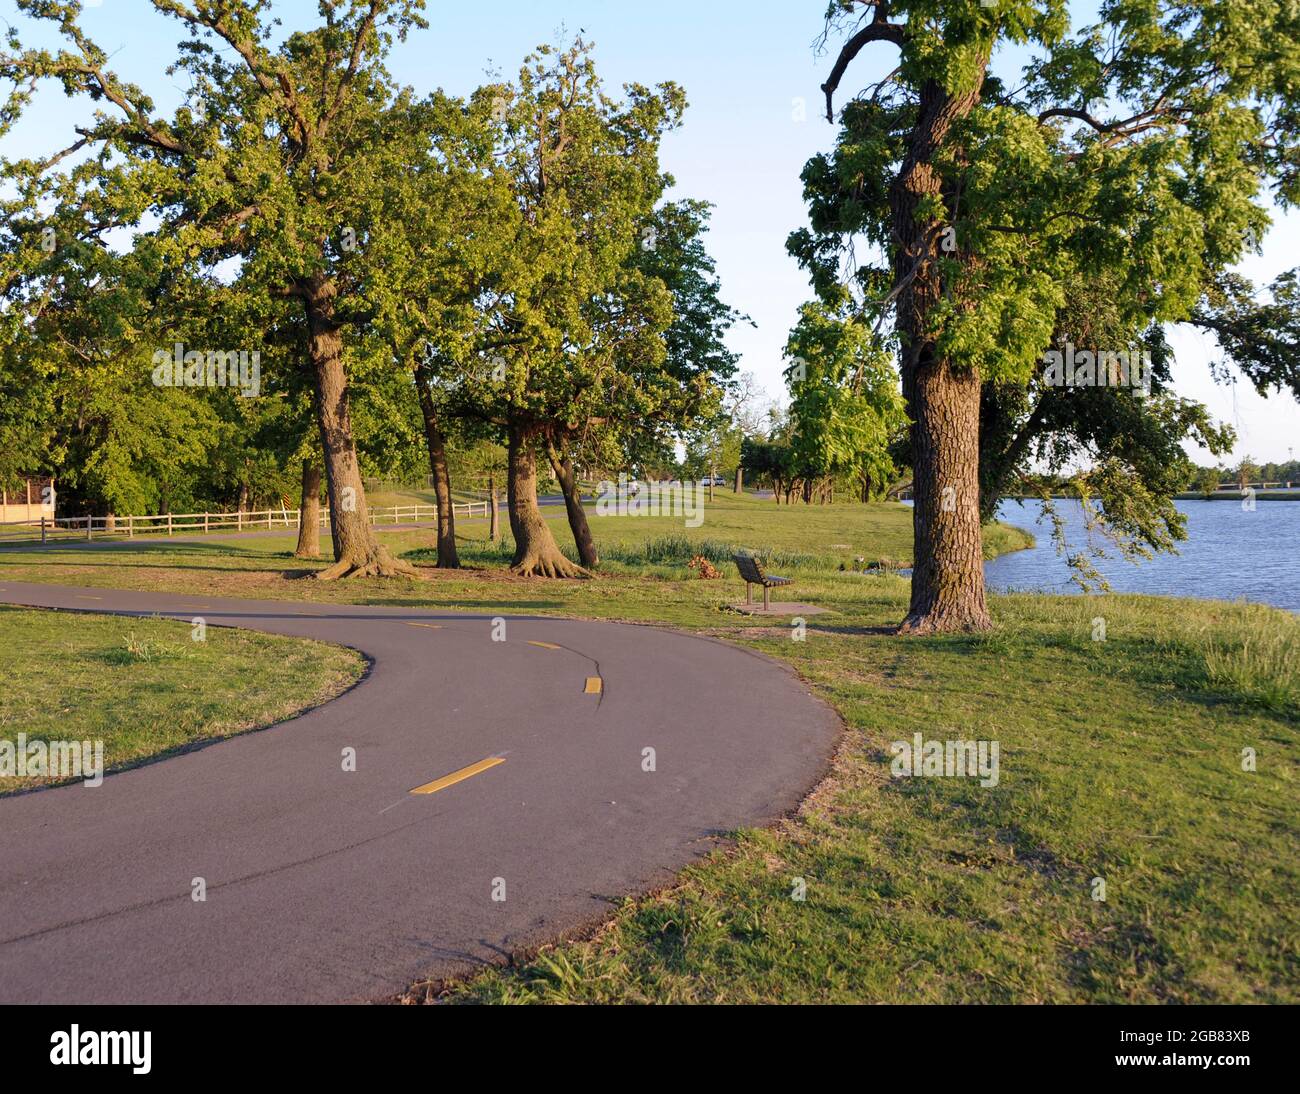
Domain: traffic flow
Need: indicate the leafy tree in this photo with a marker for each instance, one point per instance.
(845, 407)
(573, 330)
(771, 461)
(1133, 150)
(274, 161)
(1207, 481)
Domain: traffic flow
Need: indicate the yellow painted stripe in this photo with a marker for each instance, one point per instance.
(544, 645)
(431, 626)
(82, 596)
(593, 686)
(457, 776)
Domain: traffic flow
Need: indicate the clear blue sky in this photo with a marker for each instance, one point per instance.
(745, 68)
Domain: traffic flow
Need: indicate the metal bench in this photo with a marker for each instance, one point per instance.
(752, 571)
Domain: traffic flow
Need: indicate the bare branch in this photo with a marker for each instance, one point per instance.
(878, 30)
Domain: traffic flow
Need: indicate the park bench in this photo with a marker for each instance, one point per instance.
(752, 571)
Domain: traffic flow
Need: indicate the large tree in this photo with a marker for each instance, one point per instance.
(573, 330)
(1134, 150)
(275, 161)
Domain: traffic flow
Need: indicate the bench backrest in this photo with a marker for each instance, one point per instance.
(750, 568)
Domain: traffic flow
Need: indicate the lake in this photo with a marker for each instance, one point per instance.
(1229, 554)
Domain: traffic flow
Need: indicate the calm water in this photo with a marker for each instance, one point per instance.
(1229, 554)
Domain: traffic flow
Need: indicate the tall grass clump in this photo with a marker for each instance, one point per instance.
(1257, 661)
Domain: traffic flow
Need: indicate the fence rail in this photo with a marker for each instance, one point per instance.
(170, 524)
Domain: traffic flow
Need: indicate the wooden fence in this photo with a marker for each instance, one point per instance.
(170, 524)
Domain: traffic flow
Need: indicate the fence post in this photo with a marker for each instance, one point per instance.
(130, 527)
(205, 523)
(239, 520)
(268, 519)
(169, 524)
(88, 519)
(42, 528)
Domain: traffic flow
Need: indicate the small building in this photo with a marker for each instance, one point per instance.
(31, 500)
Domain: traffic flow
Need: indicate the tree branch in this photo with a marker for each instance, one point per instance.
(878, 30)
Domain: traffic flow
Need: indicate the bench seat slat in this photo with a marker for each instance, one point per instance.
(752, 571)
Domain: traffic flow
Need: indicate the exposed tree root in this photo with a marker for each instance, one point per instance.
(378, 563)
(547, 564)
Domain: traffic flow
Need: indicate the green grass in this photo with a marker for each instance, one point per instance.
(145, 687)
(1257, 661)
(382, 499)
(1120, 759)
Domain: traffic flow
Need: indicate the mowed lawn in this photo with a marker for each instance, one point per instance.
(145, 687)
(1122, 762)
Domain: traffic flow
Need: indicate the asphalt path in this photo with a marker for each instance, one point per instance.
(328, 885)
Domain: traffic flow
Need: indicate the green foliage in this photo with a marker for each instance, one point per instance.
(1102, 198)
(845, 406)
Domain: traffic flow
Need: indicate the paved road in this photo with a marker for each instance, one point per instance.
(326, 885)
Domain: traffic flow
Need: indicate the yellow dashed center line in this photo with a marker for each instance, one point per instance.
(593, 686)
(544, 645)
(431, 626)
(458, 776)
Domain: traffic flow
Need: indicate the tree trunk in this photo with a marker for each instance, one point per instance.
(948, 575)
(563, 468)
(494, 531)
(536, 552)
(740, 480)
(309, 512)
(242, 504)
(357, 552)
(712, 472)
(942, 401)
(437, 445)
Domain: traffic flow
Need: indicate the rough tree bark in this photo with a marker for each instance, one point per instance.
(309, 512)
(740, 480)
(563, 468)
(437, 445)
(536, 552)
(357, 552)
(494, 531)
(943, 401)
